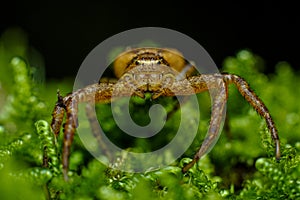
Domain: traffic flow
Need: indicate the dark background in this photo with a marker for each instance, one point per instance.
(65, 32)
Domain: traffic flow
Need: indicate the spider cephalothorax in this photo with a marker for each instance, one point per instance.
(161, 72)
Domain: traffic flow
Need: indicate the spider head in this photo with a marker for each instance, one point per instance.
(151, 56)
(149, 77)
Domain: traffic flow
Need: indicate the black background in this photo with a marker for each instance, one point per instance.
(65, 32)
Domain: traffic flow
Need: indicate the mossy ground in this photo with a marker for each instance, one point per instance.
(240, 166)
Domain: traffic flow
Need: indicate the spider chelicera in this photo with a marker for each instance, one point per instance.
(161, 72)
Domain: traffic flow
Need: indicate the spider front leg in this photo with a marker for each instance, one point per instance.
(204, 82)
(58, 114)
(70, 106)
(92, 117)
(91, 94)
(218, 93)
(257, 104)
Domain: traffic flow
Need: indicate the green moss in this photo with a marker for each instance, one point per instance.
(240, 166)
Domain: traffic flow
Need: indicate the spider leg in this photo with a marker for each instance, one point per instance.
(69, 127)
(92, 117)
(69, 130)
(218, 92)
(58, 114)
(95, 93)
(257, 104)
